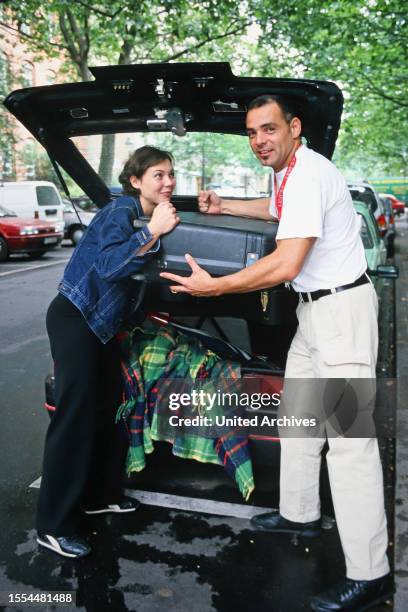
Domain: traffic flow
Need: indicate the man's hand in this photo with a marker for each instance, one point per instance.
(209, 202)
(199, 283)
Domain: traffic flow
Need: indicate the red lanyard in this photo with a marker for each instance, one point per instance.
(279, 194)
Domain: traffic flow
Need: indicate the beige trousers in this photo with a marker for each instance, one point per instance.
(337, 337)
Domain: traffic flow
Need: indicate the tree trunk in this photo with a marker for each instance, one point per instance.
(107, 158)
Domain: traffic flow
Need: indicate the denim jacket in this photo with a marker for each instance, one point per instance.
(97, 278)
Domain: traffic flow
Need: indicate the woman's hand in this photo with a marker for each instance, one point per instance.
(209, 202)
(163, 220)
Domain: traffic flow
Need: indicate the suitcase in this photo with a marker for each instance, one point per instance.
(221, 244)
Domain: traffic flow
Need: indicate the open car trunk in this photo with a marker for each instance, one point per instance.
(180, 99)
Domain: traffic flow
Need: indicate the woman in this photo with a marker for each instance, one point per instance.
(84, 451)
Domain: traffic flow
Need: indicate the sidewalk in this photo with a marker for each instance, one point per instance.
(401, 459)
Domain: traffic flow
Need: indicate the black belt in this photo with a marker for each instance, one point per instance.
(315, 295)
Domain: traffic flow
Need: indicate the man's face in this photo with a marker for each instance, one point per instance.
(272, 138)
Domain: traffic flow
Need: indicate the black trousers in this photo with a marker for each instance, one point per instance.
(85, 450)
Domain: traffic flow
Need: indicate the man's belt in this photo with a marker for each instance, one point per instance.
(311, 296)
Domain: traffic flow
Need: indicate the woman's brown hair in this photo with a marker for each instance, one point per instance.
(138, 163)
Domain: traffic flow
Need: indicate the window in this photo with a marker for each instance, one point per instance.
(365, 233)
(29, 158)
(50, 77)
(4, 73)
(26, 74)
(223, 162)
(47, 196)
(364, 195)
(6, 160)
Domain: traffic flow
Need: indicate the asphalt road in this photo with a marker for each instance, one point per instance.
(26, 288)
(175, 553)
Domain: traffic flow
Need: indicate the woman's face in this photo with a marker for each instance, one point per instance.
(157, 183)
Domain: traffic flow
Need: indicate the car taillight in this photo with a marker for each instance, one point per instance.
(382, 224)
(36, 214)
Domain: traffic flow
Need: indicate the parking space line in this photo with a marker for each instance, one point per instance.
(191, 504)
(37, 267)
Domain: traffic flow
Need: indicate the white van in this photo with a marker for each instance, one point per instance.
(38, 199)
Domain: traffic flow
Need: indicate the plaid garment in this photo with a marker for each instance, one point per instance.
(155, 363)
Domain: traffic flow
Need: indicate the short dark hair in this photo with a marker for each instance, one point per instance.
(137, 164)
(288, 106)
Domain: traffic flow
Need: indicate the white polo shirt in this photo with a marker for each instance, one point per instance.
(317, 203)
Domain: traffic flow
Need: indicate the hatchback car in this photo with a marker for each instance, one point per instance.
(30, 236)
(365, 193)
(197, 111)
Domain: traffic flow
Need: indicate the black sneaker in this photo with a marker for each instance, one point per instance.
(354, 595)
(126, 504)
(276, 523)
(67, 546)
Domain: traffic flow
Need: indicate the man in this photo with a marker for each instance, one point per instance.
(319, 251)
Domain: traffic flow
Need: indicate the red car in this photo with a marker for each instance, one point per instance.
(397, 205)
(31, 236)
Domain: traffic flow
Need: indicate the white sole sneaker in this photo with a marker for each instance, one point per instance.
(110, 508)
(52, 544)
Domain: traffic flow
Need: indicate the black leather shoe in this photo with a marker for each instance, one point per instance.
(354, 595)
(274, 522)
(126, 504)
(70, 546)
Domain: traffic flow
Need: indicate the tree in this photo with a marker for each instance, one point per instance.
(358, 44)
(124, 32)
(363, 47)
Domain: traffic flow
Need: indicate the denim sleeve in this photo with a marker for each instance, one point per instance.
(118, 245)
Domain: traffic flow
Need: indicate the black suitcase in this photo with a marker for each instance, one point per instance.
(221, 244)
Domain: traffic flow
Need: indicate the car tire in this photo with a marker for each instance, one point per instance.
(4, 250)
(76, 235)
(36, 254)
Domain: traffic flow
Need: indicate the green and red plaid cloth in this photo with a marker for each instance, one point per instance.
(156, 363)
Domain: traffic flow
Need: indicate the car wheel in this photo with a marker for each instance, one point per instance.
(76, 235)
(4, 250)
(36, 254)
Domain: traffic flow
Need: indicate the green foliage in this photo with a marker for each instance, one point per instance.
(359, 44)
(363, 47)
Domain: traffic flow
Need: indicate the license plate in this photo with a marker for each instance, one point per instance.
(50, 240)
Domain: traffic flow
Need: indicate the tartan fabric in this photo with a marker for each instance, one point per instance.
(153, 362)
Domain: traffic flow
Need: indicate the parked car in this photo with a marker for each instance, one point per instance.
(365, 193)
(38, 199)
(375, 250)
(389, 215)
(76, 222)
(24, 235)
(398, 206)
(77, 219)
(174, 101)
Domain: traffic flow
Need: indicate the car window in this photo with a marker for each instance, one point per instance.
(365, 233)
(366, 196)
(47, 196)
(223, 162)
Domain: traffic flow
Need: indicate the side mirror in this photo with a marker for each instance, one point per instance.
(385, 271)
